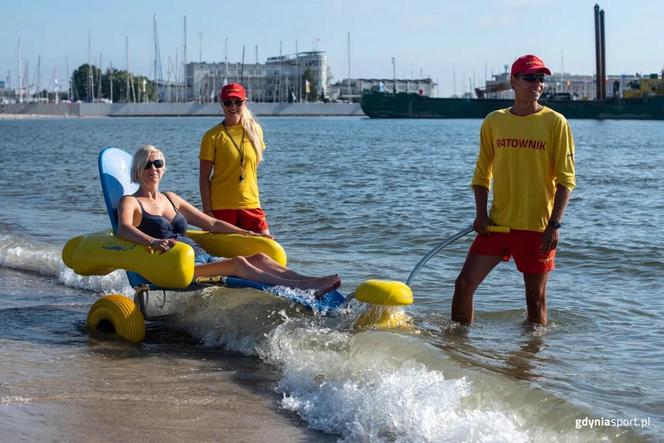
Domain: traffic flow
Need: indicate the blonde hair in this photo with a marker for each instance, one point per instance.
(139, 161)
(253, 130)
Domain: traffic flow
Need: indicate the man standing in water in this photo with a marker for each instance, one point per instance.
(528, 152)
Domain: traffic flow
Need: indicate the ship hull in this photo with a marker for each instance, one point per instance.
(401, 105)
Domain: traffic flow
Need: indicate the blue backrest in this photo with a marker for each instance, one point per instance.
(115, 176)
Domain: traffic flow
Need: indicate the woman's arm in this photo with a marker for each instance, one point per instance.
(127, 230)
(204, 185)
(203, 221)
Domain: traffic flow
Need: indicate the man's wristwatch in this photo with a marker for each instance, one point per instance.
(555, 224)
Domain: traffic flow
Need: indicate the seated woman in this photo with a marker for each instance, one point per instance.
(159, 220)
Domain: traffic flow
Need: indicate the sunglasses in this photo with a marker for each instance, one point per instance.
(530, 78)
(159, 163)
(230, 102)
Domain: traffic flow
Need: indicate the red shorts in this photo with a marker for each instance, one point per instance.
(525, 246)
(250, 219)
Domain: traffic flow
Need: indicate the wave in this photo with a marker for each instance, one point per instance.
(382, 386)
(362, 386)
(45, 259)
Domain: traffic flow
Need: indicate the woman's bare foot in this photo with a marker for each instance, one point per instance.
(320, 285)
(329, 283)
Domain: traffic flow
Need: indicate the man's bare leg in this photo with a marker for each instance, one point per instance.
(475, 269)
(536, 297)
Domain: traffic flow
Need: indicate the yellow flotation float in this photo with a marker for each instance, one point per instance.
(102, 253)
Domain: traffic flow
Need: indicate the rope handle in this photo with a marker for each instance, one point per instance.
(448, 241)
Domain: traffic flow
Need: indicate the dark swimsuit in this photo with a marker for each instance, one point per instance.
(158, 226)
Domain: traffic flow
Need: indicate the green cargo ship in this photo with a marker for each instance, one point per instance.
(402, 105)
(640, 100)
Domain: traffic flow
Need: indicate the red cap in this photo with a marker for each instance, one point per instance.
(233, 90)
(529, 64)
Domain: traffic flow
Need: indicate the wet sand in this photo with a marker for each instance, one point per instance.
(59, 384)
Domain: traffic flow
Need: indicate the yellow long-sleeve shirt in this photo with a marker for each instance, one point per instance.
(526, 157)
(226, 190)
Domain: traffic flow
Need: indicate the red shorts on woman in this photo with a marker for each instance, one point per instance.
(524, 246)
(250, 219)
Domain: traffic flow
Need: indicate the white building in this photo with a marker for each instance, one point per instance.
(304, 76)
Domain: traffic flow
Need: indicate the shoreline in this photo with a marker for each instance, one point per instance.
(29, 116)
(38, 110)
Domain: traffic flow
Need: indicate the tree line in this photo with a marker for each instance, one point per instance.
(89, 84)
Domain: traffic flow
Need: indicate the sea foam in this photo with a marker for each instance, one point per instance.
(45, 259)
(340, 391)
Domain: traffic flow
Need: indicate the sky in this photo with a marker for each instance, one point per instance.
(455, 42)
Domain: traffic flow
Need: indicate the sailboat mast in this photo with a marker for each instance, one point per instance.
(37, 81)
(242, 67)
(91, 83)
(20, 69)
(110, 80)
(299, 74)
(127, 54)
(158, 74)
(70, 75)
(99, 88)
(281, 67)
(154, 39)
(184, 61)
(349, 86)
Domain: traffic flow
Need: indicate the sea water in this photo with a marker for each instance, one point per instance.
(366, 199)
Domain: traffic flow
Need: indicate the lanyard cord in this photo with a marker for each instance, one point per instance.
(240, 149)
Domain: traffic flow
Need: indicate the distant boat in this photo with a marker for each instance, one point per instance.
(403, 105)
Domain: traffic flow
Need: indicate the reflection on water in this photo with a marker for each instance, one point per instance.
(517, 357)
(522, 364)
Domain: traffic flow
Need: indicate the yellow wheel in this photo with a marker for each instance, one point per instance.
(116, 313)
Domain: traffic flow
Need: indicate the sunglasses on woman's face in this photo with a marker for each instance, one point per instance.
(159, 163)
(530, 78)
(237, 103)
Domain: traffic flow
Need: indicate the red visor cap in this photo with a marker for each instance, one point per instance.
(529, 64)
(233, 90)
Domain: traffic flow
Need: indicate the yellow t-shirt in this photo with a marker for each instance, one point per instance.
(227, 191)
(526, 158)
